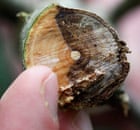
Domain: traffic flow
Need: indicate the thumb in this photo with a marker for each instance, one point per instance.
(30, 103)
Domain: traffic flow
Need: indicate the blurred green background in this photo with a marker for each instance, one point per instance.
(10, 27)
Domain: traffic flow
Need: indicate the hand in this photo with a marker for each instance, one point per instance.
(31, 101)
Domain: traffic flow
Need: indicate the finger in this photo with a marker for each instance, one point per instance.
(31, 101)
(74, 120)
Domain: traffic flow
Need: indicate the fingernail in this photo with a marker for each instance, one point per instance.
(82, 121)
(51, 95)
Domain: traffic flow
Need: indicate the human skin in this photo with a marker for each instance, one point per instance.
(30, 103)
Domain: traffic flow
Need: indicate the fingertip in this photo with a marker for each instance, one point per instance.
(50, 93)
(23, 102)
(36, 73)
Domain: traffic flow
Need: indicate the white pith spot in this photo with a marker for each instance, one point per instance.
(75, 55)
